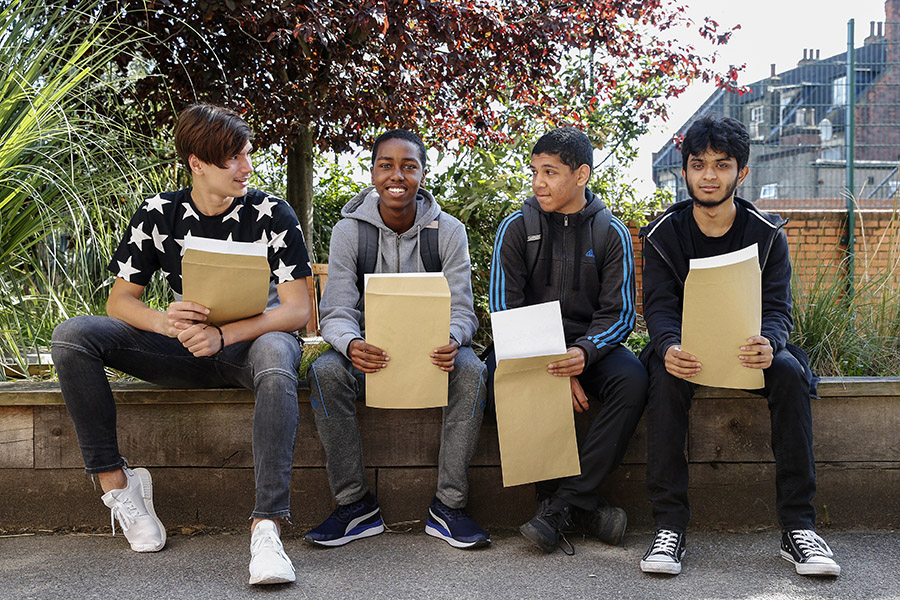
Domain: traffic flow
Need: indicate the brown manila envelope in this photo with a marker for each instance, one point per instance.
(231, 279)
(722, 309)
(535, 419)
(407, 316)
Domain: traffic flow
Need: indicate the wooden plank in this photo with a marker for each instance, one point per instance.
(844, 429)
(205, 435)
(828, 387)
(44, 393)
(16, 437)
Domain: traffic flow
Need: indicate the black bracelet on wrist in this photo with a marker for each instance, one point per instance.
(221, 338)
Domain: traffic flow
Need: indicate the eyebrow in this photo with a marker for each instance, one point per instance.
(404, 159)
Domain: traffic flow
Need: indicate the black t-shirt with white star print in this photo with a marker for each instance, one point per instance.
(155, 236)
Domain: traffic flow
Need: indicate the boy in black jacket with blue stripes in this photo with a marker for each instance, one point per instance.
(596, 291)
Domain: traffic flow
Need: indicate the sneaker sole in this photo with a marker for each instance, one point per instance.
(147, 494)
(272, 579)
(814, 569)
(533, 536)
(439, 533)
(374, 529)
(664, 568)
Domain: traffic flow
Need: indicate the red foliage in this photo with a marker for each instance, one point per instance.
(346, 66)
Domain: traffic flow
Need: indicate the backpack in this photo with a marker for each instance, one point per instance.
(533, 222)
(367, 251)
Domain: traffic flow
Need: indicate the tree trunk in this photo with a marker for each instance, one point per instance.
(300, 184)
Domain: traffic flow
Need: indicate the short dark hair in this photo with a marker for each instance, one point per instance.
(571, 145)
(400, 134)
(211, 133)
(722, 134)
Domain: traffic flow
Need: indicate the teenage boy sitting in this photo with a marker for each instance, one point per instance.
(399, 209)
(714, 221)
(179, 348)
(595, 288)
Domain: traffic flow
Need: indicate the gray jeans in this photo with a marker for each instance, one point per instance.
(335, 386)
(82, 346)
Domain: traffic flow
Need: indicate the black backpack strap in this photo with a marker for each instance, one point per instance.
(366, 253)
(428, 247)
(599, 232)
(532, 237)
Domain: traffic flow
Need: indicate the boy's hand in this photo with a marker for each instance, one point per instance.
(366, 357)
(568, 367)
(579, 398)
(757, 353)
(681, 364)
(201, 340)
(445, 357)
(181, 316)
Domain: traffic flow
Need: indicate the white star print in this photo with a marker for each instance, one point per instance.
(264, 239)
(189, 212)
(155, 203)
(158, 238)
(126, 270)
(234, 214)
(180, 242)
(264, 208)
(138, 236)
(277, 240)
(284, 272)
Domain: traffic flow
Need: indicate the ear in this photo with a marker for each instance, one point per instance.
(372, 174)
(582, 175)
(195, 164)
(743, 175)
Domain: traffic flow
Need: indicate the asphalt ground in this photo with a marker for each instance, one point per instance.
(717, 565)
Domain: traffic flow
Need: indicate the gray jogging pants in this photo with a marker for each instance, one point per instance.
(335, 386)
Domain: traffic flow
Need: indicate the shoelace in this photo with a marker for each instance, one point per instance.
(559, 519)
(455, 514)
(665, 542)
(269, 541)
(345, 512)
(126, 513)
(809, 543)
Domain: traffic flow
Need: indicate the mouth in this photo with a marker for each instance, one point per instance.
(396, 190)
(242, 180)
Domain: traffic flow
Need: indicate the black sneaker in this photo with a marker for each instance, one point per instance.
(546, 528)
(665, 553)
(809, 553)
(348, 522)
(606, 523)
(454, 526)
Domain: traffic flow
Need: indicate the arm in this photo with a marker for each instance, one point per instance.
(777, 304)
(457, 268)
(186, 320)
(508, 271)
(663, 295)
(614, 318)
(339, 308)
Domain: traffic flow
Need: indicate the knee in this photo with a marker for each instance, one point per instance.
(786, 373)
(275, 352)
(75, 335)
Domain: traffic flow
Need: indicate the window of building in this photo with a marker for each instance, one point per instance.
(757, 114)
(839, 91)
(768, 191)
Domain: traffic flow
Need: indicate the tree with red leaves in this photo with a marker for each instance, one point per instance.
(323, 74)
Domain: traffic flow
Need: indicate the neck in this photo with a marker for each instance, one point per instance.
(399, 221)
(715, 221)
(208, 203)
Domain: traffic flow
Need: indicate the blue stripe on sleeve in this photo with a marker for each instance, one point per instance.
(619, 331)
(497, 288)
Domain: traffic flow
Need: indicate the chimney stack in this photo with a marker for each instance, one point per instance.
(772, 72)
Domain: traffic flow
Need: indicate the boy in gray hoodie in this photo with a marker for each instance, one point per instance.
(400, 211)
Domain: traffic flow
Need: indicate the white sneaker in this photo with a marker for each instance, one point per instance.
(809, 553)
(268, 562)
(133, 508)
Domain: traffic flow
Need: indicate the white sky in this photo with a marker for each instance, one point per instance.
(772, 31)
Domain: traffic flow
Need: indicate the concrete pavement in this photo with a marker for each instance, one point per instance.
(412, 565)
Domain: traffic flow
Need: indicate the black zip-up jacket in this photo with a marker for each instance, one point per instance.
(597, 315)
(667, 262)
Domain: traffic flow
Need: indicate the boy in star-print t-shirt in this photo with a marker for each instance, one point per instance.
(178, 347)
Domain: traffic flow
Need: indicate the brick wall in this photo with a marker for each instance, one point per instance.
(815, 235)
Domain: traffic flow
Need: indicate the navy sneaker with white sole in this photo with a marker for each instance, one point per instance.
(360, 519)
(809, 553)
(454, 526)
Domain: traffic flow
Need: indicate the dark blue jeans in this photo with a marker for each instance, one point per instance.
(787, 392)
(83, 346)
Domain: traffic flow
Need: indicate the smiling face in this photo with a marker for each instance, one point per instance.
(397, 172)
(229, 181)
(712, 177)
(556, 186)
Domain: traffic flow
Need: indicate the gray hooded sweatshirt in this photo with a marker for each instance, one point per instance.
(342, 313)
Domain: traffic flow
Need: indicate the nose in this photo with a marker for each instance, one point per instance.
(397, 173)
